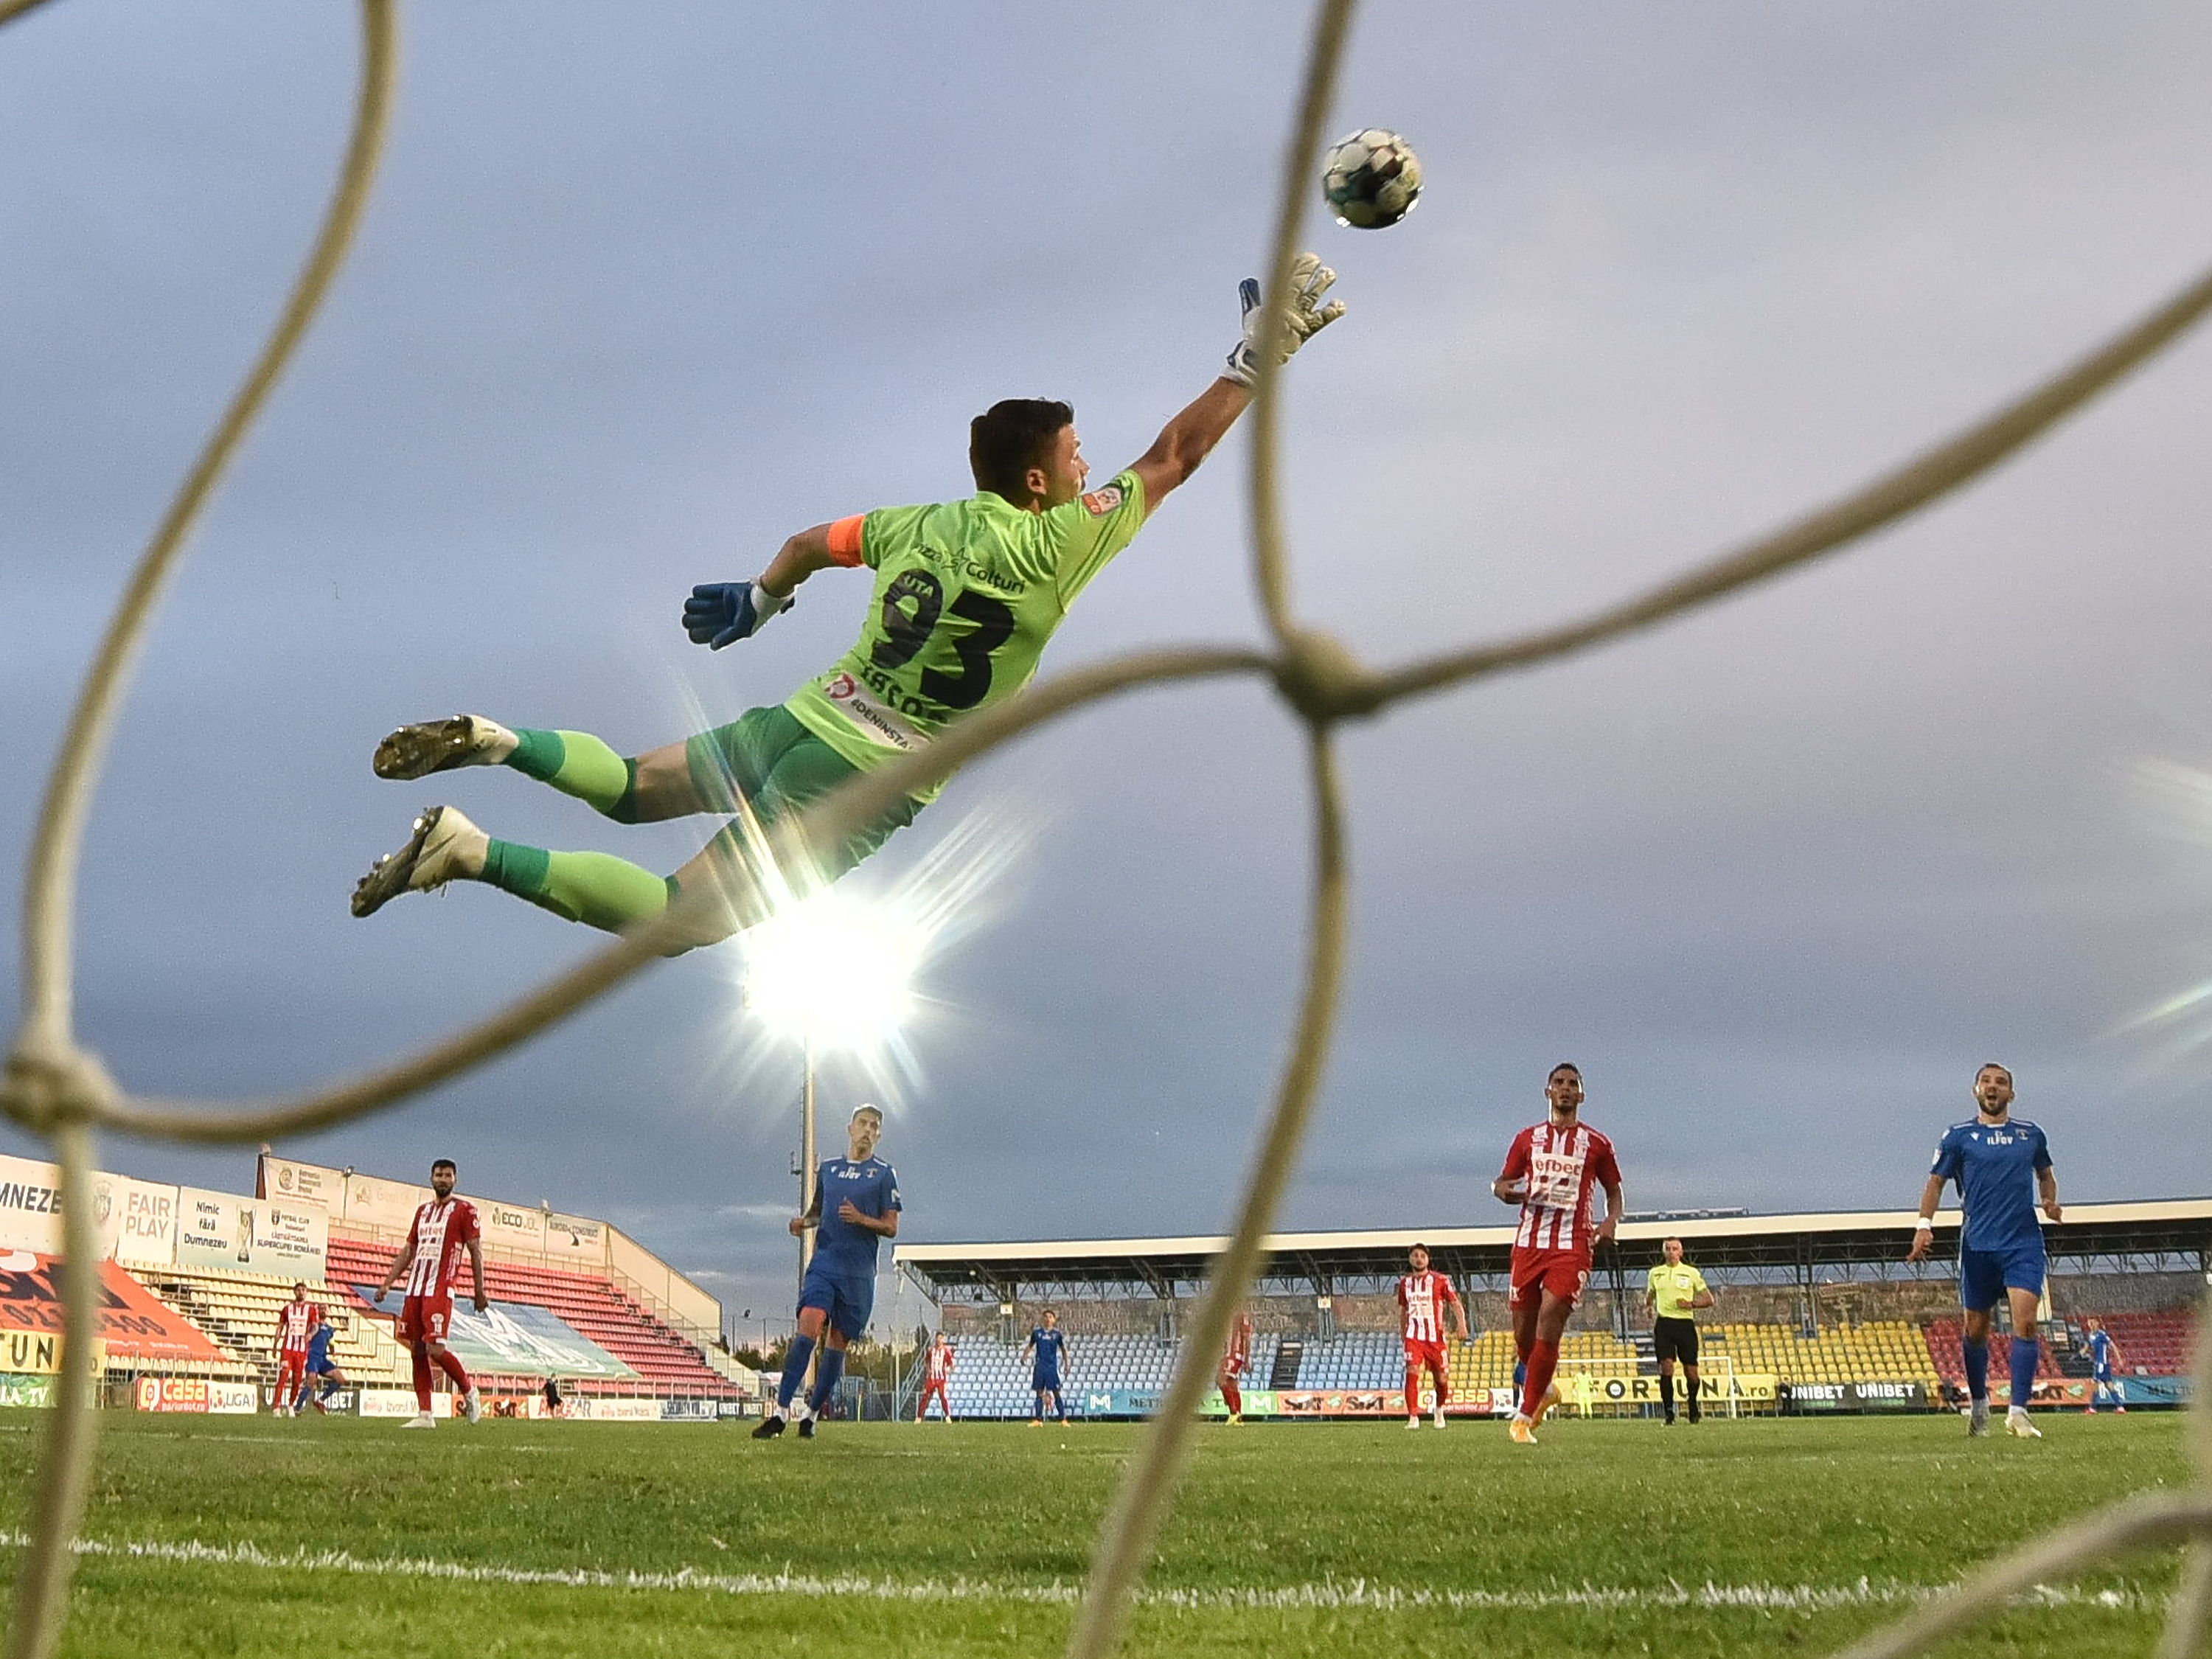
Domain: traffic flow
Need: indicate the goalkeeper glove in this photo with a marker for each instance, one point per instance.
(722, 613)
(1303, 313)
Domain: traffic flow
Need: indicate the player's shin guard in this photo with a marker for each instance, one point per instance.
(826, 1373)
(422, 1381)
(1667, 1392)
(2025, 1353)
(1412, 1390)
(1233, 1397)
(794, 1370)
(1543, 1360)
(1977, 1358)
(579, 764)
(450, 1363)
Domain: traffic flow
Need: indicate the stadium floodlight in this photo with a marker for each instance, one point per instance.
(834, 971)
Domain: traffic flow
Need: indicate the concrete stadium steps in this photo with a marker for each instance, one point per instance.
(238, 1312)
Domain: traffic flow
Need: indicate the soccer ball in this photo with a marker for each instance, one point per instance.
(1372, 180)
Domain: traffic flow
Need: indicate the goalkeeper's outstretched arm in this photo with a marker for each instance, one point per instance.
(1191, 436)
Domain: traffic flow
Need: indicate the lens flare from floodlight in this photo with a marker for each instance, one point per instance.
(834, 971)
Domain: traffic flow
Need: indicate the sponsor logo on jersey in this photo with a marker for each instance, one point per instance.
(851, 699)
(1099, 502)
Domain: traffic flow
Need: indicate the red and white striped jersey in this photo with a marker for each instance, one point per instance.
(939, 1362)
(1563, 1169)
(439, 1237)
(1422, 1299)
(296, 1322)
(1239, 1349)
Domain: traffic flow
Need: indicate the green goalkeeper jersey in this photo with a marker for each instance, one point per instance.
(967, 595)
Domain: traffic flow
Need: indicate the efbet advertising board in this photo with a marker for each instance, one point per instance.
(229, 1234)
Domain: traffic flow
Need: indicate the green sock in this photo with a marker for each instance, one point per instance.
(579, 764)
(596, 889)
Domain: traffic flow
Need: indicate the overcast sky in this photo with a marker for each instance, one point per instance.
(643, 288)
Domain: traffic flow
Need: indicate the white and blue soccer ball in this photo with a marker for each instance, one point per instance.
(1371, 179)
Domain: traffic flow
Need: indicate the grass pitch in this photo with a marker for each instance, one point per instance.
(250, 1536)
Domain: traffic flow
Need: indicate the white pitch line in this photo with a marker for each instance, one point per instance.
(1329, 1596)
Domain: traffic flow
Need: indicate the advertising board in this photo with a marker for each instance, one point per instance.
(616, 1411)
(30, 1205)
(229, 1234)
(399, 1402)
(172, 1393)
(287, 1180)
(688, 1411)
(25, 1392)
(133, 1324)
(138, 1220)
(1599, 1391)
(574, 1241)
(511, 1226)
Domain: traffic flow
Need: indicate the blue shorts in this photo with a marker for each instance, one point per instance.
(322, 1367)
(1984, 1276)
(2105, 1376)
(1044, 1382)
(847, 1298)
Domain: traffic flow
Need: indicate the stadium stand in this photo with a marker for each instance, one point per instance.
(666, 1365)
(1941, 1337)
(238, 1313)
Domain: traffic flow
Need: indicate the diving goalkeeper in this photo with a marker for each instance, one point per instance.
(967, 595)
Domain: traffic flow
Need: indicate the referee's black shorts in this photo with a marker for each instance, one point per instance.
(1674, 1338)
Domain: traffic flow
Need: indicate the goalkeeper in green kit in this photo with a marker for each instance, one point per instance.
(967, 594)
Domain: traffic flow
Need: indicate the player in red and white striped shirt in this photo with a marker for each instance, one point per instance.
(296, 1323)
(431, 1258)
(1236, 1355)
(1551, 1171)
(936, 1377)
(1429, 1314)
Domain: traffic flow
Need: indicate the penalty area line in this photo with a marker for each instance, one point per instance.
(1329, 1596)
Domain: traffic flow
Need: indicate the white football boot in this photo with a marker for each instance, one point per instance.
(472, 1406)
(445, 847)
(428, 746)
(423, 1420)
(2016, 1422)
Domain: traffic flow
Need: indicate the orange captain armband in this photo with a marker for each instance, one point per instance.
(845, 540)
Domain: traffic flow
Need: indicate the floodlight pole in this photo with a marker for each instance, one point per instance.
(805, 1154)
(806, 1196)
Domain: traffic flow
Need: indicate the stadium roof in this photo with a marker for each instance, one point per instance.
(1779, 1246)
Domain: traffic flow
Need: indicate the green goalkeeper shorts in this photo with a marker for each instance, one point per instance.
(771, 763)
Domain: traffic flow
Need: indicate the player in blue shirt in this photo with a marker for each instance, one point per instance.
(2002, 1167)
(856, 1202)
(2104, 1355)
(1047, 1343)
(319, 1364)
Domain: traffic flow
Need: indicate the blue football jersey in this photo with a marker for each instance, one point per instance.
(1050, 1346)
(319, 1345)
(839, 1245)
(2100, 1349)
(1995, 1165)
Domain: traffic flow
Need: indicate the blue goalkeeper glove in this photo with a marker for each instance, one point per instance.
(722, 613)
